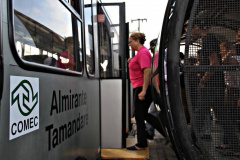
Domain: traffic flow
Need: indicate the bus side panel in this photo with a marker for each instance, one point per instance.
(65, 123)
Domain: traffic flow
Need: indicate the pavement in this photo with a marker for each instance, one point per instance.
(159, 150)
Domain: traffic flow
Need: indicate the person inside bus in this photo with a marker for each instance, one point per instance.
(69, 54)
(50, 61)
(140, 74)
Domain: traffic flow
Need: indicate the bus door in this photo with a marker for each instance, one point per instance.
(112, 47)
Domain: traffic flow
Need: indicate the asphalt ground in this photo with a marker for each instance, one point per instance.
(159, 150)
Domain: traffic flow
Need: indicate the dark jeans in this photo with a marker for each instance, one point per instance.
(141, 114)
(214, 97)
(153, 111)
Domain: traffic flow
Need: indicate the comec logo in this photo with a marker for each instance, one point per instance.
(25, 84)
(24, 105)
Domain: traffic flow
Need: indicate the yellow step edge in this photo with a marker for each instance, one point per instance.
(125, 154)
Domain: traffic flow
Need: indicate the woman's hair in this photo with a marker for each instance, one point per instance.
(138, 36)
(227, 45)
(68, 41)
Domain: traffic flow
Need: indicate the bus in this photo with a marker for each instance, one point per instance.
(57, 57)
(65, 93)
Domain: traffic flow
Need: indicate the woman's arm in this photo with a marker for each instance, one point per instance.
(146, 79)
(213, 62)
(155, 83)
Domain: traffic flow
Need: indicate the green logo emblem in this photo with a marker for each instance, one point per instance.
(28, 97)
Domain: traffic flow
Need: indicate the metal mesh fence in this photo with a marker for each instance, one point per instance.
(212, 76)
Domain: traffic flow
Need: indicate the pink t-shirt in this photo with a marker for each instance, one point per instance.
(155, 64)
(138, 63)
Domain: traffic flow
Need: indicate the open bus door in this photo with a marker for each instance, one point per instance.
(112, 44)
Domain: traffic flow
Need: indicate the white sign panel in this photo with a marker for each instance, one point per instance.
(24, 106)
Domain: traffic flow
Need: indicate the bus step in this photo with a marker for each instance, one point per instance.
(124, 154)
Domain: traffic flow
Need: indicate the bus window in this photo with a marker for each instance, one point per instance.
(80, 37)
(110, 59)
(78, 5)
(44, 37)
(89, 36)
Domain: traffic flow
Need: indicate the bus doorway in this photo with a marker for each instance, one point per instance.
(112, 44)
